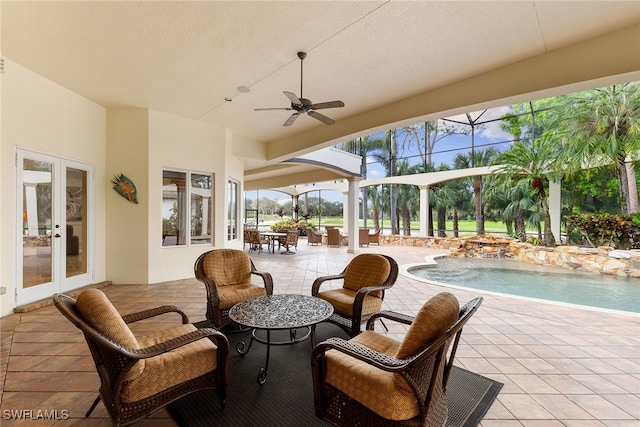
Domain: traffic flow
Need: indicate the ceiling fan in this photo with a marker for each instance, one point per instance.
(302, 105)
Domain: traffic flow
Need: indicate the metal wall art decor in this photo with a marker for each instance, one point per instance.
(125, 187)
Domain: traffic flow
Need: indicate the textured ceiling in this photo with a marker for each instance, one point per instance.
(377, 57)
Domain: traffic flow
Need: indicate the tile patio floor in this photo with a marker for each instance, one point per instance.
(560, 366)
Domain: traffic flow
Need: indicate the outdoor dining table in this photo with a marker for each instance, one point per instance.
(272, 236)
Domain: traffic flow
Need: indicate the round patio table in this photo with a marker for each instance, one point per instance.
(278, 312)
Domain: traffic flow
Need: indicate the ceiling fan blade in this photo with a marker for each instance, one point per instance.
(293, 98)
(271, 109)
(330, 104)
(291, 119)
(324, 119)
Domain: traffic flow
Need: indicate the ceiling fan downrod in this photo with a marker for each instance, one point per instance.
(301, 55)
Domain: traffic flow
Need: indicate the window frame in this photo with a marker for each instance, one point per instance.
(185, 207)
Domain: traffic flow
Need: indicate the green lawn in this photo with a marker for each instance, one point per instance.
(468, 226)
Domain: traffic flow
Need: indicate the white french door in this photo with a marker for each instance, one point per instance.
(55, 225)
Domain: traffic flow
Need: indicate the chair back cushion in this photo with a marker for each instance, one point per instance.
(367, 270)
(434, 318)
(227, 267)
(95, 308)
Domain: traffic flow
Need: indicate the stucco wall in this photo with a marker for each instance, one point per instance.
(42, 116)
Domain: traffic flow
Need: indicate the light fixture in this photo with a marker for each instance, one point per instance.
(243, 89)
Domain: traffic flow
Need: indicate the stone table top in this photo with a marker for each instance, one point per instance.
(285, 311)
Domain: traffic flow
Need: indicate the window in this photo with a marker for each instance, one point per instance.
(232, 214)
(186, 207)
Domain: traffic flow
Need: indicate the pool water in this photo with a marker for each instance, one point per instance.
(535, 281)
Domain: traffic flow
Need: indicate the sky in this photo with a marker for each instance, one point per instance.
(487, 133)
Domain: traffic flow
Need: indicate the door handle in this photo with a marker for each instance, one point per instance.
(57, 235)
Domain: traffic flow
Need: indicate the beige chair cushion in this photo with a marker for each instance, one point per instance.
(434, 318)
(230, 295)
(175, 367)
(385, 393)
(228, 267)
(96, 309)
(342, 301)
(367, 270)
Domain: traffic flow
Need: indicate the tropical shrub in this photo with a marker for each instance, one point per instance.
(616, 230)
(288, 224)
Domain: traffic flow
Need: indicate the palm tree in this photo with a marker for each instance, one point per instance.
(388, 158)
(478, 158)
(408, 197)
(533, 162)
(604, 125)
(364, 146)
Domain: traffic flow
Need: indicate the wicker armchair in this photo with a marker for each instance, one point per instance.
(364, 281)
(313, 237)
(375, 380)
(374, 237)
(227, 275)
(139, 375)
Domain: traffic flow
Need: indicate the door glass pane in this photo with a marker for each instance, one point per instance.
(36, 223)
(76, 232)
(232, 213)
(201, 204)
(173, 208)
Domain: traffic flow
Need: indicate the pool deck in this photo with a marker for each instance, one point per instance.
(560, 365)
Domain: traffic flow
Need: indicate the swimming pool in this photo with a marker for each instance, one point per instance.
(534, 281)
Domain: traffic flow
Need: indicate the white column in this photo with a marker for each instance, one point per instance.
(555, 206)
(352, 219)
(345, 211)
(424, 209)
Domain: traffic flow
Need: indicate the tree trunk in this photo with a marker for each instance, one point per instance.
(632, 201)
(442, 222)
(477, 194)
(520, 226)
(624, 186)
(430, 221)
(406, 222)
(455, 224)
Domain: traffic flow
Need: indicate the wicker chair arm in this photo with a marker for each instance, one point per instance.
(163, 347)
(367, 355)
(267, 279)
(391, 315)
(320, 280)
(146, 314)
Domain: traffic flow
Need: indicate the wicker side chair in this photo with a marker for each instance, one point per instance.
(256, 241)
(364, 282)
(373, 379)
(333, 237)
(363, 236)
(139, 375)
(313, 237)
(290, 241)
(227, 275)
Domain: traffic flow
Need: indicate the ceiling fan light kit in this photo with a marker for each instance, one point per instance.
(302, 105)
